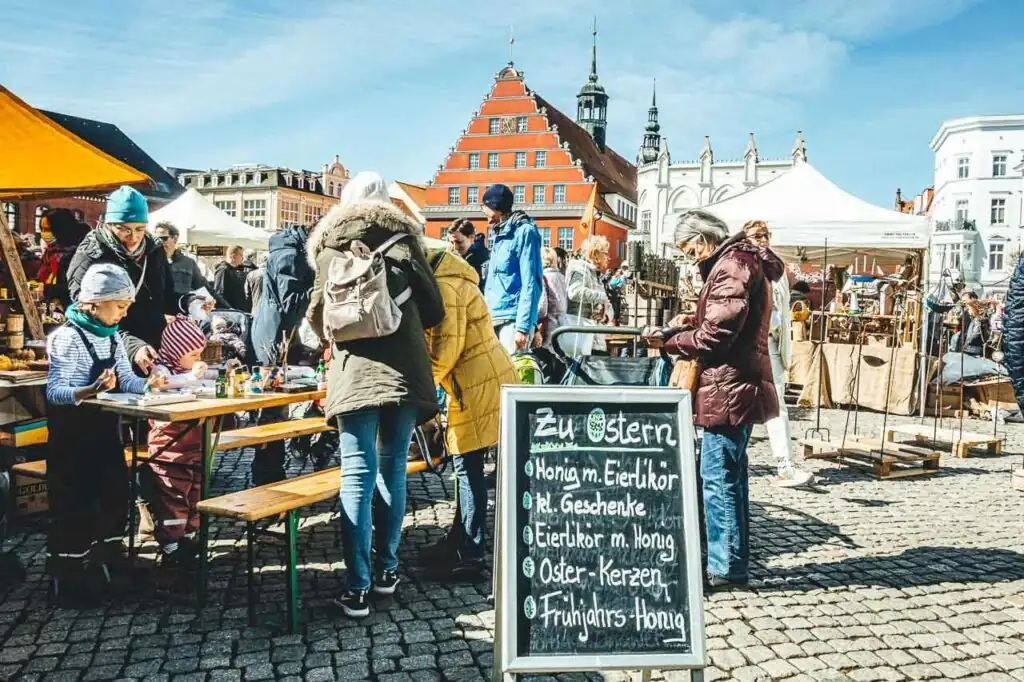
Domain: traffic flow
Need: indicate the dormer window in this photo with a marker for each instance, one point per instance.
(257, 178)
(288, 179)
(302, 182)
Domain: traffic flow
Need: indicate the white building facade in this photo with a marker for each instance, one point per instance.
(666, 189)
(976, 213)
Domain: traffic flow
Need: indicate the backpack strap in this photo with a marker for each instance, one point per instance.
(401, 299)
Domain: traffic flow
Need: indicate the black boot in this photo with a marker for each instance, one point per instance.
(76, 587)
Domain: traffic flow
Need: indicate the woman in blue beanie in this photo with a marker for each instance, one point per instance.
(123, 241)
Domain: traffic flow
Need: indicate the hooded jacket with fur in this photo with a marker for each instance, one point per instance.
(394, 370)
(730, 336)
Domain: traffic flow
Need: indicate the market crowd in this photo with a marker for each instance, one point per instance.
(458, 322)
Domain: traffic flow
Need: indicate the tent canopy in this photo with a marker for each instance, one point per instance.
(203, 224)
(804, 209)
(40, 158)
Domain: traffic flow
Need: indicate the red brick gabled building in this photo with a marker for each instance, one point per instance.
(552, 163)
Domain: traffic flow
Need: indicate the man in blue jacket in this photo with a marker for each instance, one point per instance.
(514, 274)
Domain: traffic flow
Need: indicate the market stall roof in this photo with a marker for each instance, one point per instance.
(41, 158)
(203, 224)
(804, 209)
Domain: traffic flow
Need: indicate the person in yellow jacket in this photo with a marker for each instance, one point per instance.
(470, 365)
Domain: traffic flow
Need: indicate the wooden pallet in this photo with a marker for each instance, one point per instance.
(884, 460)
(961, 443)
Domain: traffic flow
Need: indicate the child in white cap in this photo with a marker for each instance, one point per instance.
(86, 475)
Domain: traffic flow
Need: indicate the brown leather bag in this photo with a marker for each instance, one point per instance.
(685, 374)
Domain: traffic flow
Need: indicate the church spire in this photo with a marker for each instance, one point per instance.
(652, 131)
(592, 101)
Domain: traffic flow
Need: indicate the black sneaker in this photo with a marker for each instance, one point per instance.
(184, 556)
(716, 583)
(386, 583)
(354, 603)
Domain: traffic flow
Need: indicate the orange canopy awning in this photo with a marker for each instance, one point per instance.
(39, 158)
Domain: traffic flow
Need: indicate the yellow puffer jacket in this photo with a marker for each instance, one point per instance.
(467, 360)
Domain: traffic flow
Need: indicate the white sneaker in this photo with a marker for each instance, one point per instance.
(791, 477)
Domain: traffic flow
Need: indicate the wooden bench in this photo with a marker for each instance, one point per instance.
(252, 436)
(268, 501)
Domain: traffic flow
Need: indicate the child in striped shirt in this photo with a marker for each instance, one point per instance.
(86, 475)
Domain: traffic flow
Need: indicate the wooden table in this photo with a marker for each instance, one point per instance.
(208, 413)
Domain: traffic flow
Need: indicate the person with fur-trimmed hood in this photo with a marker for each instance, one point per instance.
(378, 388)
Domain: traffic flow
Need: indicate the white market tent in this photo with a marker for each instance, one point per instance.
(203, 224)
(804, 209)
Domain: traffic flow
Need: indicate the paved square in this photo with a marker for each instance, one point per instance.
(907, 579)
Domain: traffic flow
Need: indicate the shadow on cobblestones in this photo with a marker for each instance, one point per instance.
(778, 530)
(915, 567)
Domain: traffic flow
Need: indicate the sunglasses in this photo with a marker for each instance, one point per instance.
(164, 237)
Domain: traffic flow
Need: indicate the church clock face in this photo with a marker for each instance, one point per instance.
(508, 125)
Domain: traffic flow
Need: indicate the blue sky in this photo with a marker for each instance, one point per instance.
(389, 84)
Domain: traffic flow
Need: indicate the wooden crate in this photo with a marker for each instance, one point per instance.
(884, 460)
(30, 488)
(960, 443)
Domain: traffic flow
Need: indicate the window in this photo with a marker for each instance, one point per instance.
(565, 238)
(492, 160)
(620, 249)
(954, 256)
(999, 211)
(289, 212)
(538, 194)
(472, 195)
(963, 167)
(200, 181)
(521, 124)
(312, 214)
(474, 161)
(213, 181)
(254, 212)
(559, 194)
(645, 221)
(519, 194)
(961, 211)
(520, 159)
(231, 208)
(545, 236)
(995, 257)
(226, 180)
(454, 196)
(302, 182)
(40, 212)
(540, 159)
(288, 179)
(11, 215)
(493, 126)
(998, 165)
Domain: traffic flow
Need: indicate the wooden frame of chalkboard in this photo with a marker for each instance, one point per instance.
(611, 578)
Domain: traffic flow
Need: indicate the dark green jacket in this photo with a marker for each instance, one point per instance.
(394, 370)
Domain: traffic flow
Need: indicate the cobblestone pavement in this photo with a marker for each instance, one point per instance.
(915, 578)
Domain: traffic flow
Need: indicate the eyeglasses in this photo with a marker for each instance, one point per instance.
(164, 237)
(125, 231)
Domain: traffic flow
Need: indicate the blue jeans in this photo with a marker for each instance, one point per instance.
(363, 468)
(723, 471)
(472, 503)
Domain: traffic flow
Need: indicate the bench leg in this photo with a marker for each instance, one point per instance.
(250, 545)
(293, 573)
(204, 520)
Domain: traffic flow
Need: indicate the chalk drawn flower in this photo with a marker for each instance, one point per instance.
(595, 425)
(528, 535)
(527, 501)
(529, 607)
(528, 467)
(528, 567)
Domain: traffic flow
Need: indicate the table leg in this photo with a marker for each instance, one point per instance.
(133, 473)
(293, 573)
(204, 520)
(250, 540)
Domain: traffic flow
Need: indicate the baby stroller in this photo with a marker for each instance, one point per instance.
(599, 370)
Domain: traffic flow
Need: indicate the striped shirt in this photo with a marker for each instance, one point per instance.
(70, 365)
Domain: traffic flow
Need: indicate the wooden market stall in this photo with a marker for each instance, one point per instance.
(40, 159)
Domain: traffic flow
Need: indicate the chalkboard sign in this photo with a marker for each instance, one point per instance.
(597, 546)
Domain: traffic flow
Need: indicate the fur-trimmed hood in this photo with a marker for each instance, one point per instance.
(343, 224)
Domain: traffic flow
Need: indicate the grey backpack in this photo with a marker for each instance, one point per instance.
(357, 303)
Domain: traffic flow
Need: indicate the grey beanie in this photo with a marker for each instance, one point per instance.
(106, 282)
(700, 224)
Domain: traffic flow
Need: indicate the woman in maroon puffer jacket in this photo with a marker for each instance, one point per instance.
(728, 336)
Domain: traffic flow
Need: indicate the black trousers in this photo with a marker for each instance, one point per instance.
(268, 460)
(87, 488)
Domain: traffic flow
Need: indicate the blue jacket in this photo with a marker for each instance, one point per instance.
(1013, 332)
(515, 274)
(287, 281)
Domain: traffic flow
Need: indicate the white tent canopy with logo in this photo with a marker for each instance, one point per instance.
(803, 209)
(203, 224)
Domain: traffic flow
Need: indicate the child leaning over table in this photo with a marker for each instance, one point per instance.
(86, 475)
(178, 469)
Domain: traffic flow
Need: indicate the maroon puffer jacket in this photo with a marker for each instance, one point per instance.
(730, 336)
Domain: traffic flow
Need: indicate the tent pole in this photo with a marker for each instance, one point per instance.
(817, 430)
(9, 254)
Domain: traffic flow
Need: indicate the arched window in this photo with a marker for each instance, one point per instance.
(40, 212)
(11, 215)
